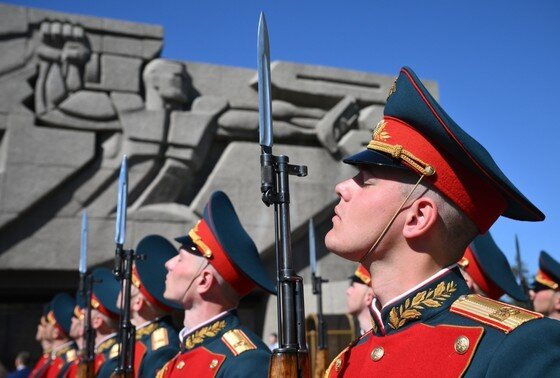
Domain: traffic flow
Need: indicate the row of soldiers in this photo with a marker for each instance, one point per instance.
(423, 192)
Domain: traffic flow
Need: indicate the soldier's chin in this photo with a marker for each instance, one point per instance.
(335, 245)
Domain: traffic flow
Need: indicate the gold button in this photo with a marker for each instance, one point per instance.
(338, 364)
(462, 344)
(180, 365)
(377, 353)
(213, 364)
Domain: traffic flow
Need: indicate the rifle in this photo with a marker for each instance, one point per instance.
(321, 358)
(124, 258)
(520, 275)
(291, 358)
(86, 367)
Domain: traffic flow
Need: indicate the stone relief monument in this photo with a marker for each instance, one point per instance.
(77, 92)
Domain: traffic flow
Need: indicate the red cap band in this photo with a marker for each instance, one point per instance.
(473, 269)
(136, 281)
(96, 304)
(473, 194)
(221, 262)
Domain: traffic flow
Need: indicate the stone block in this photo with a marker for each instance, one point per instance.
(144, 125)
(151, 48)
(188, 128)
(36, 16)
(90, 105)
(370, 116)
(165, 212)
(237, 173)
(132, 28)
(92, 70)
(34, 164)
(42, 146)
(13, 52)
(95, 41)
(60, 119)
(167, 185)
(127, 102)
(354, 141)
(230, 83)
(118, 73)
(337, 122)
(318, 86)
(13, 20)
(14, 89)
(121, 45)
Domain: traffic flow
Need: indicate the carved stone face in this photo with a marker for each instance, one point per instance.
(168, 79)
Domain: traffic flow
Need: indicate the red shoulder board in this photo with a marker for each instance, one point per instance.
(199, 362)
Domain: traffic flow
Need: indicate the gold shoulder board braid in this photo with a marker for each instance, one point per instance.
(237, 341)
(115, 350)
(160, 338)
(502, 316)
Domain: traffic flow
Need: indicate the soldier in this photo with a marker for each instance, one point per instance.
(546, 290)
(359, 297)
(104, 319)
(64, 350)
(156, 340)
(423, 191)
(216, 266)
(43, 363)
(77, 332)
(487, 271)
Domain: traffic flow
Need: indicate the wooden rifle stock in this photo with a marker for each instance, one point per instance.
(86, 369)
(291, 364)
(321, 362)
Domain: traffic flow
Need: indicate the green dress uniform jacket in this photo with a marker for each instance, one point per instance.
(156, 343)
(439, 329)
(222, 348)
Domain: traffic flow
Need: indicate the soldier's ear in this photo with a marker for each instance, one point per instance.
(421, 216)
(556, 299)
(368, 298)
(205, 281)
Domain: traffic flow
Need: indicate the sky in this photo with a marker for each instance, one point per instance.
(496, 64)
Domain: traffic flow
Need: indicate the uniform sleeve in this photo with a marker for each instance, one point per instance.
(251, 364)
(154, 361)
(529, 351)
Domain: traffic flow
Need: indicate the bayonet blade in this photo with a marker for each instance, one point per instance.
(265, 105)
(83, 244)
(312, 250)
(122, 194)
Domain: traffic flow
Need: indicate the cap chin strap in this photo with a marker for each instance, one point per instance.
(392, 219)
(198, 273)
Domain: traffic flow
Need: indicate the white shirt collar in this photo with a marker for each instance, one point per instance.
(185, 332)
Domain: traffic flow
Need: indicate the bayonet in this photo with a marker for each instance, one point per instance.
(291, 359)
(122, 194)
(124, 259)
(312, 250)
(265, 100)
(83, 244)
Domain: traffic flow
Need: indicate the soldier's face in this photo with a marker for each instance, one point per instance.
(356, 297)
(182, 271)
(543, 301)
(367, 203)
(76, 328)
